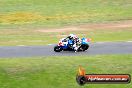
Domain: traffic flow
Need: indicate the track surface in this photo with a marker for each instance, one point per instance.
(95, 49)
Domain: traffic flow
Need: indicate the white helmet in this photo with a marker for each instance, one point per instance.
(71, 35)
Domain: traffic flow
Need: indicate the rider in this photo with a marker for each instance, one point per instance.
(77, 43)
(75, 40)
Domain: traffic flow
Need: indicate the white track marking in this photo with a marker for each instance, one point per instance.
(20, 45)
(50, 44)
(129, 41)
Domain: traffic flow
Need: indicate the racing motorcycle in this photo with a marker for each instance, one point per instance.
(66, 45)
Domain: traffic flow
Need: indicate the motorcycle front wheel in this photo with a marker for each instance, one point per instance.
(57, 49)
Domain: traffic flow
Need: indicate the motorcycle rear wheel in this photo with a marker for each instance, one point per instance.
(83, 47)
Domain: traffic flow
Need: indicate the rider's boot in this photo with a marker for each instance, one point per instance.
(75, 49)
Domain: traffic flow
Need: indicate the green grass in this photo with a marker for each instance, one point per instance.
(60, 72)
(19, 19)
(12, 37)
(54, 13)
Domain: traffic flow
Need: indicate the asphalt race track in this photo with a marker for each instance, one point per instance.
(95, 49)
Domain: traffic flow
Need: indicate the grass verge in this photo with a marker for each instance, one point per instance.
(60, 72)
(13, 37)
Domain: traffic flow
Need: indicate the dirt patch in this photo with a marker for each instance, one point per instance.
(94, 26)
(114, 25)
(65, 29)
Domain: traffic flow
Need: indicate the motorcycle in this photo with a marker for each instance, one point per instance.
(67, 45)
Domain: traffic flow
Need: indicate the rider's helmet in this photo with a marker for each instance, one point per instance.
(71, 36)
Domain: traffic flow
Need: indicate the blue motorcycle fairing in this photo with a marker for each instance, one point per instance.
(70, 42)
